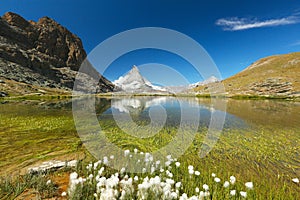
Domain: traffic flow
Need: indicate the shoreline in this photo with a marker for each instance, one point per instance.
(35, 96)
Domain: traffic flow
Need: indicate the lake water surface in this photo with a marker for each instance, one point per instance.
(259, 138)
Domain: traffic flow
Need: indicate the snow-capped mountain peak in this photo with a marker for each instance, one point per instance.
(133, 81)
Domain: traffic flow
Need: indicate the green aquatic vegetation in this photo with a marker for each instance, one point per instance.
(27, 137)
(265, 154)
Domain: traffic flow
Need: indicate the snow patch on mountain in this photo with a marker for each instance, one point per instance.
(211, 79)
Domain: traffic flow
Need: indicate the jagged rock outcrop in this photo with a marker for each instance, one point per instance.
(44, 54)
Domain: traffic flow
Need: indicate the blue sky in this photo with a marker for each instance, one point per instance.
(235, 33)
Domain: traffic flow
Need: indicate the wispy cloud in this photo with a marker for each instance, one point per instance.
(295, 43)
(237, 24)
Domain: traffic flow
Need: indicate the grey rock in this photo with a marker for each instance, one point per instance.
(3, 94)
(51, 165)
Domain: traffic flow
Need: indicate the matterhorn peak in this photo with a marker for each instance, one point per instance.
(135, 67)
(133, 81)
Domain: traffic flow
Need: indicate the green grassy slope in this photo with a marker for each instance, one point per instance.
(274, 76)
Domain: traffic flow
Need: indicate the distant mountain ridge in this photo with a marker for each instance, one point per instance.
(211, 79)
(277, 75)
(42, 56)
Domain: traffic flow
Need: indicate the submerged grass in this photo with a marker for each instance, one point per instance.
(31, 132)
(266, 156)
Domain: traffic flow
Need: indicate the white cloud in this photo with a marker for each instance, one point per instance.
(295, 43)
(237, 24)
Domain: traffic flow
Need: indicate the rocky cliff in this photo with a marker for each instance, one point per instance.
(42, 55)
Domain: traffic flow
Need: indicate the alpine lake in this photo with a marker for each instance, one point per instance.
(258, 140)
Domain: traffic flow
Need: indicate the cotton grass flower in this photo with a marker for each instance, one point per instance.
(295, 180)
(178, 185)
(105, 160)
(89, 167)
(217, 180)
(191, 171)
(249, 185)
(174, 195)
(205, 187)
(226, 184)
(197, 190)
(152, 170)
(169, 157)
(183, 197)
(169, 174)
(73, 176)
(243, 194)
(170, 181)
(232, 179)
(122, 171)
(197, 173)
(91, 176)
(101, 170)
(177, 164)
(206, 194)
(157, 162)
(201, 195)
(232, 192)
(167, 163)
(63, 194)
(126, 152)
(135, 178)
(193, 198)
(190, 167)
(213, 175)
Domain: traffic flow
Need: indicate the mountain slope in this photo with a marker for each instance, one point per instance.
(134, 82)
(41, 56)
(271, 76)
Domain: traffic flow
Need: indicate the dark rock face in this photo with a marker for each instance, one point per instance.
(43, 53)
